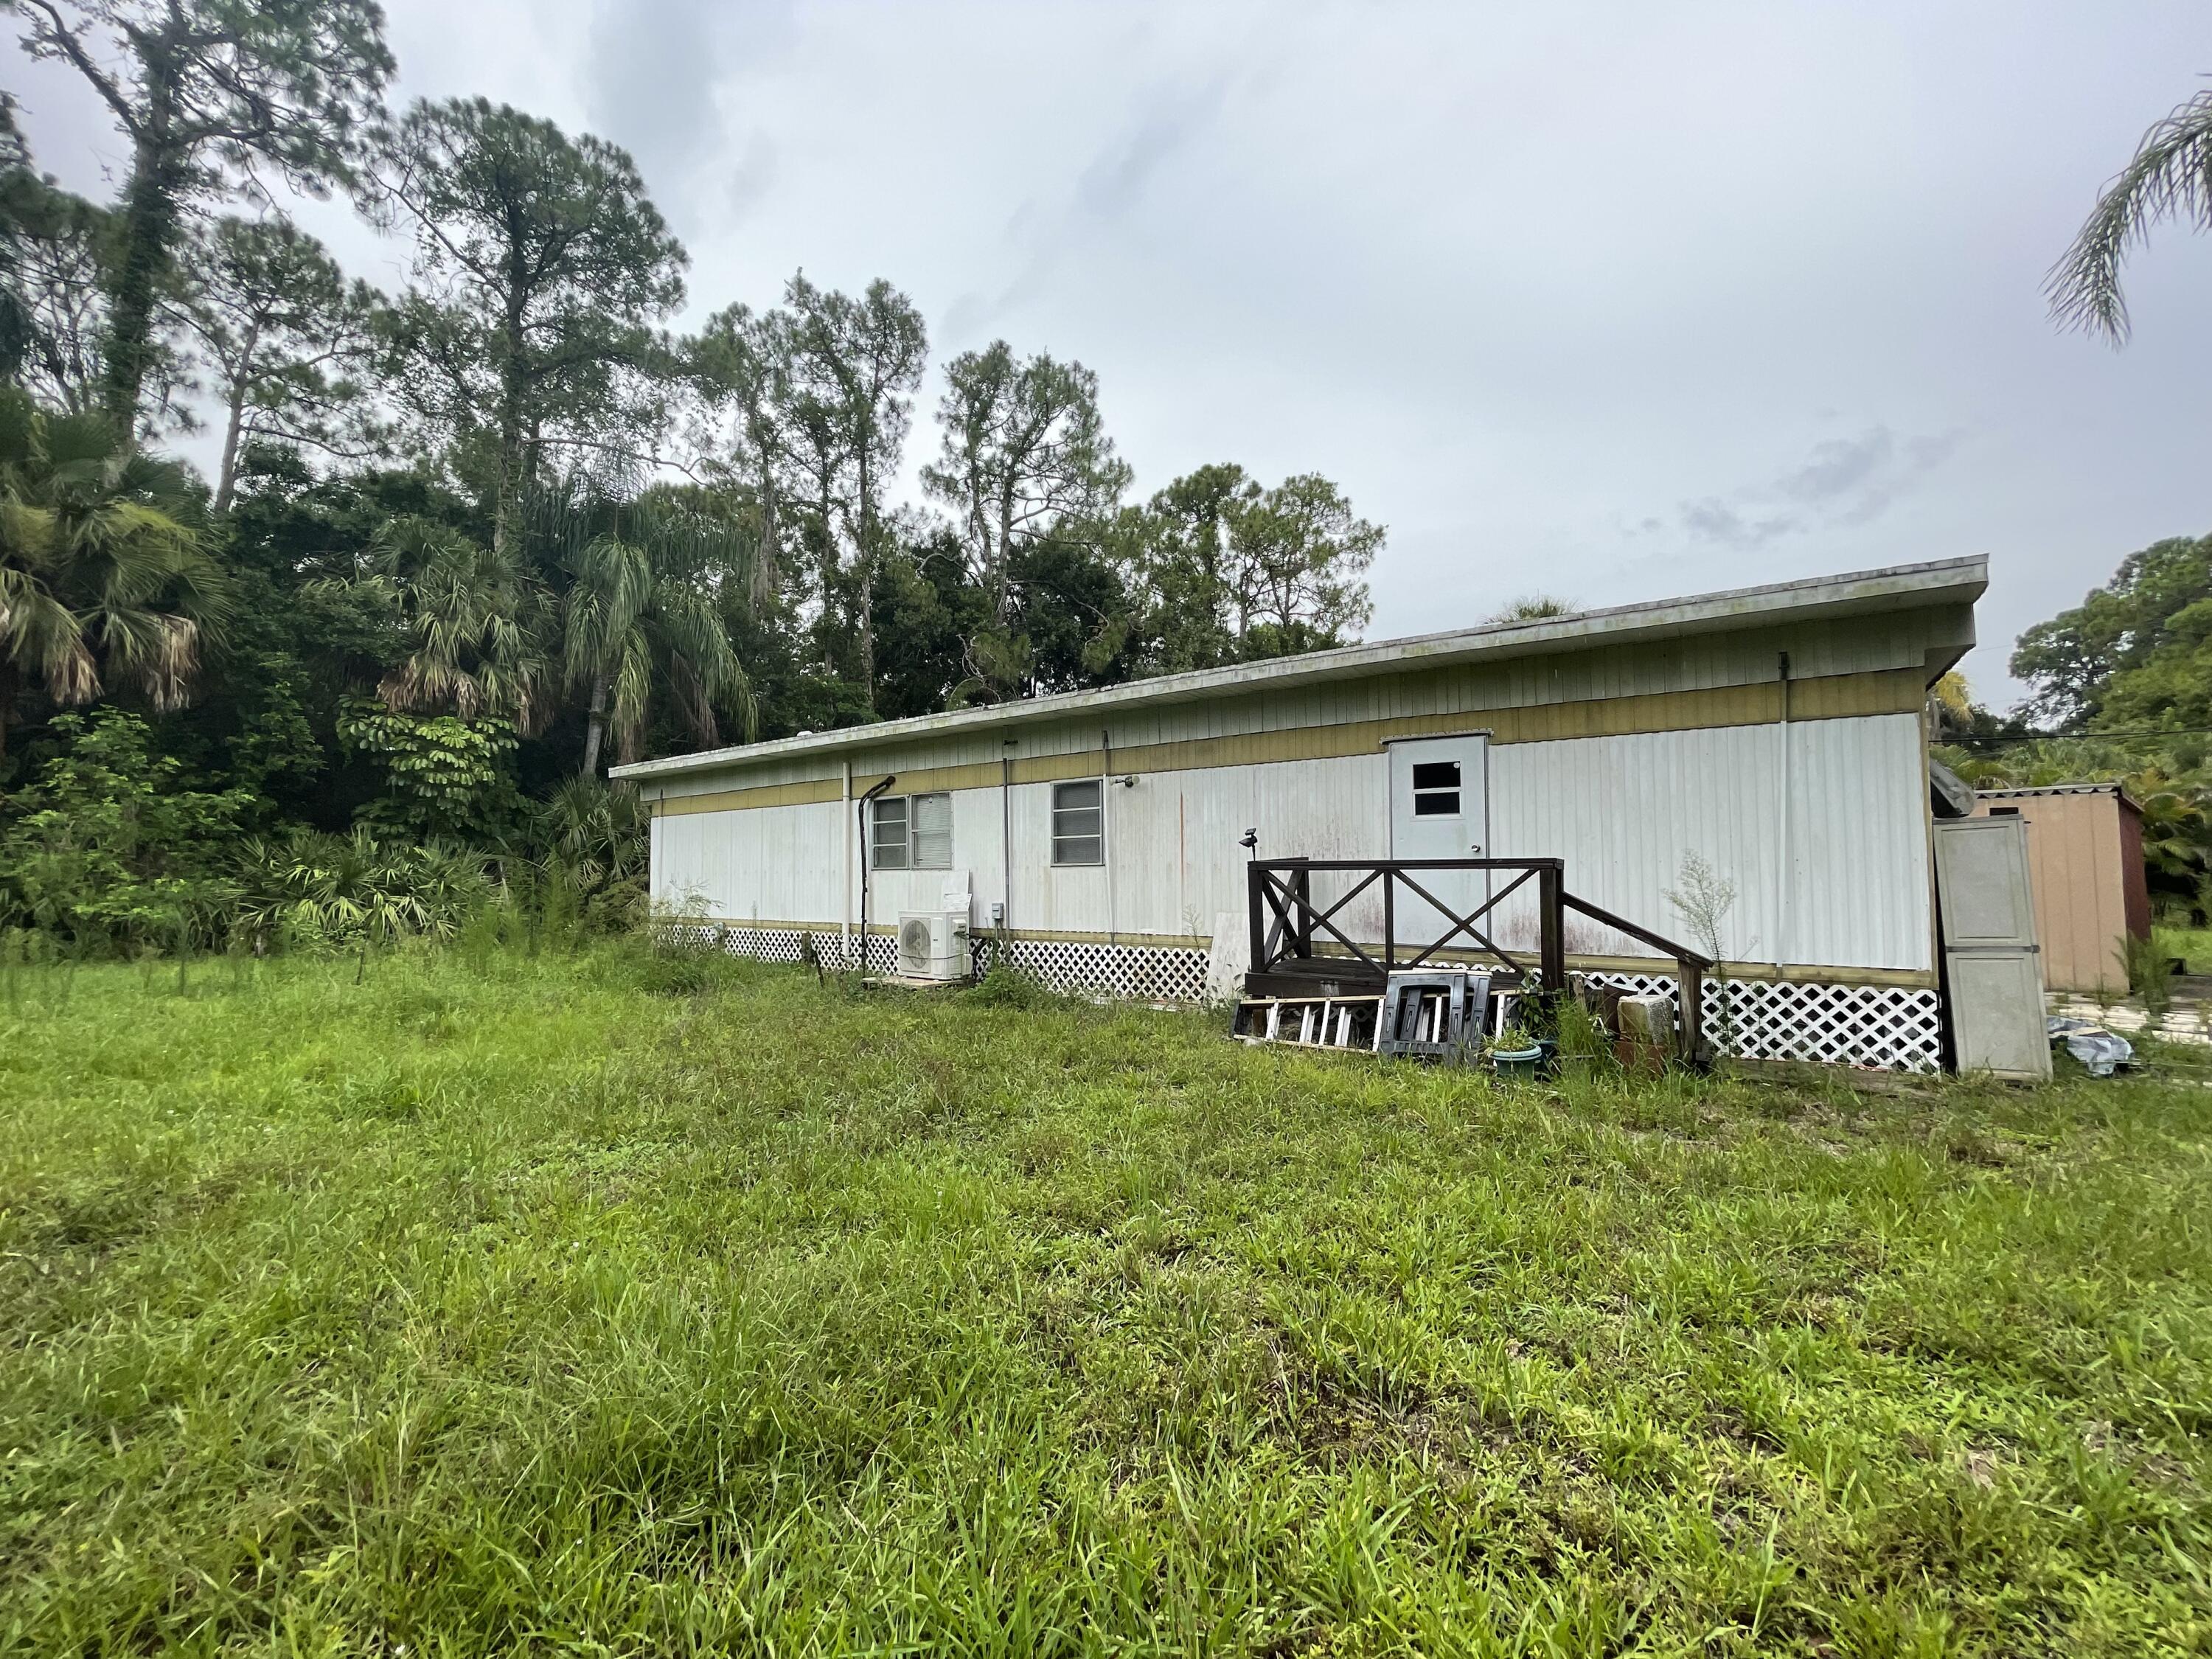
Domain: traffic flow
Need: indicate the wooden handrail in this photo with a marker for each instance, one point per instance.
(1666, 946)
(1282, 889)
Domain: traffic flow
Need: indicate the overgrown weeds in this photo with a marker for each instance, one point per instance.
(2149, 961)
(1004, 986)
(507, 1303)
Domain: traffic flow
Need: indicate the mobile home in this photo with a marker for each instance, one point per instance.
(1100, 839)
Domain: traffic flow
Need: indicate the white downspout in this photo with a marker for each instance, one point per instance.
(1007, 839)
(845, 916)
(1105, 830)
(1782, 875)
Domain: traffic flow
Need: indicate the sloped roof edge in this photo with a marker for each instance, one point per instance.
(2026, 791)
(1849, 593)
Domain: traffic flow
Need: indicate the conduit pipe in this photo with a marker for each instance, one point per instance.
(861, 815)
(1782, 852)
(1105, 839)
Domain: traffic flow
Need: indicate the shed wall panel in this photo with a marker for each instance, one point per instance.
(2079, 867)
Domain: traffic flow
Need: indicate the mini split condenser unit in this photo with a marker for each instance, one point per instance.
(933, 945)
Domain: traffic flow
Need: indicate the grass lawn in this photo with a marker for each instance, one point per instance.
(2192, 944)
(546, 1306)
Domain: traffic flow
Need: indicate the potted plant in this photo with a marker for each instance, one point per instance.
(1515, 1054)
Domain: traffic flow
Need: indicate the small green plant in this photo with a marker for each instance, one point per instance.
(1006, 987)
(349, 893)
(14, 954)
(680, 958)
(1585, 1046)
(1513, 1040)
(1702, 900)
(683, 972)
(2150, 963)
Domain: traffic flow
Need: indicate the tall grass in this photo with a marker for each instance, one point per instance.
(552, 1303)
(2150, 964)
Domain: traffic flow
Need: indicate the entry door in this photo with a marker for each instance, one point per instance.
(1440, 808)
(1990, 958)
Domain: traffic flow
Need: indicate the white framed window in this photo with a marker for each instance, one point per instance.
(931, 817)
(1436, 789)
(887, 833)
(911, 832)
(1078, 822)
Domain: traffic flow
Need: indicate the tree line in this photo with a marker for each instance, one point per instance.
(2119, 690)
(462, 545)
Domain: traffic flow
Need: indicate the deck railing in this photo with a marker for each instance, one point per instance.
(1286, 922)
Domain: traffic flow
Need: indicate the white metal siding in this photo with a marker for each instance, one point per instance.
(777, 864)
(1171, 842)
(1623, 811)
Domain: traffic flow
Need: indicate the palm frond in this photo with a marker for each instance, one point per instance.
(102, 568)
(2170, 178)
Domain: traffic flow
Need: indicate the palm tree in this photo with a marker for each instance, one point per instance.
(475, 620)
(103, 577)
(2170, 178)
(355, 887)
(596, 830)
(643, 618)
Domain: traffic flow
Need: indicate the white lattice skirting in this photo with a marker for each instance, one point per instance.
(1885, 1028)
(1141, 973)
(1880, 1027)
(1138, 973)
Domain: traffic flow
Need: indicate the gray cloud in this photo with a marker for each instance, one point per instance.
(1168, 120)
(1172, 117)
(1714, 520)
(1842, 482)
(654, 82)
(751, 178)
(1520, 279)
(650, 80)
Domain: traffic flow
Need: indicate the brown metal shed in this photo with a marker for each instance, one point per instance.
(2085, 868)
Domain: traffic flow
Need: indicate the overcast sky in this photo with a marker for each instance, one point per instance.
(1609, 302)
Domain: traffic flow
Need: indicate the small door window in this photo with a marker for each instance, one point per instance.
(1436, 789)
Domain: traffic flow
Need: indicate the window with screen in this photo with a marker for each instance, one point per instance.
(1078, 823)
(912, 832)
(1436, 789)
(889, 836)
(931, 818)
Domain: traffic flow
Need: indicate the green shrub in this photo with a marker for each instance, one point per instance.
(2149, 962)
(444, 776)
(315, 892)
(1006, 987)
(109, 851)
(1585, 1046)
(674, 960)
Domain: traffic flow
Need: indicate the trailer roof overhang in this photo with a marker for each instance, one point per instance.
(1867, 593)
